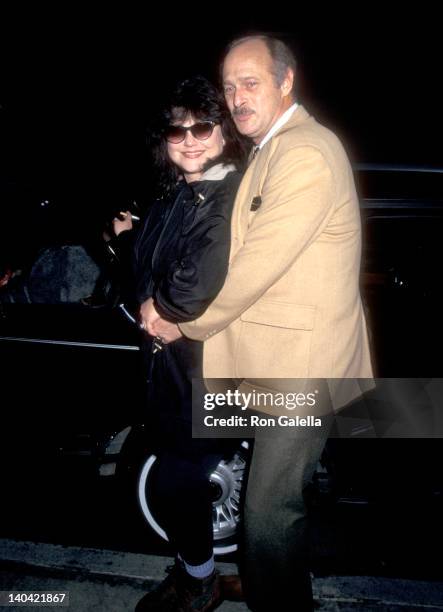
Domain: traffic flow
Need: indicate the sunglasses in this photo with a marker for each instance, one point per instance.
(177, 133)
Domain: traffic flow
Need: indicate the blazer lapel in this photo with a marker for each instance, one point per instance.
(254, 176)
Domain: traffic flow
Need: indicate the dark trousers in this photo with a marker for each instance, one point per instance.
(274, 568)
(183, 496)
(181, 488)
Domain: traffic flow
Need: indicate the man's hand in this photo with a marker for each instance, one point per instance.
(168, 332)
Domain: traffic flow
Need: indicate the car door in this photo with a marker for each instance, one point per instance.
(70, 375)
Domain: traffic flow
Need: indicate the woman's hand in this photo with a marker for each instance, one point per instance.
(151, 322)
(148, 316)
(122, 225)
(167, 331)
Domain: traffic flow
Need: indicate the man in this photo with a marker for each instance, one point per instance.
(290, 307)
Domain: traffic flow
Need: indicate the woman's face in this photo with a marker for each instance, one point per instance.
(192, 153)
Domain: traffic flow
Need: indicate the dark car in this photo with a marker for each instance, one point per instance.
(402, 214)
(73, 386)
(402, 218)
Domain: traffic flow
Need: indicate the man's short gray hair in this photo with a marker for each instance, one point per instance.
(282, 56)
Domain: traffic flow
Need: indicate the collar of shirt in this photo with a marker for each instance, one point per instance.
(278, 124)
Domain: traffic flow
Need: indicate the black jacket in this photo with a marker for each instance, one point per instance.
(180, 259)
(181, 253)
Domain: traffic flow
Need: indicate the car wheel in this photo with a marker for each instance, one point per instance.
(226, 483)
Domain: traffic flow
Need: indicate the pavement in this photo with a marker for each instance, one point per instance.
(110, 581)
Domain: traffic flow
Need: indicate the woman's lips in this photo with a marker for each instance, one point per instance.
(193, 154)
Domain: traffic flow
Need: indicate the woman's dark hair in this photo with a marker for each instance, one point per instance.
(195, 96)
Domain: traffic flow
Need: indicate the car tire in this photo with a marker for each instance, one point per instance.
(226, 480)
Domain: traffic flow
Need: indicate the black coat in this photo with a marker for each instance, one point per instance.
(180, 259)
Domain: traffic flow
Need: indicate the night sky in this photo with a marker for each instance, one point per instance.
(78, 87)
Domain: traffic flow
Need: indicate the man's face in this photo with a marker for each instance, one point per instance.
(252, 94)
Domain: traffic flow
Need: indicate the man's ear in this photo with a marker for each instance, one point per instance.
(288, 82)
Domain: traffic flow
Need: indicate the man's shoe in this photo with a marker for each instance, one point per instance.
(180, 592)
(231, 588)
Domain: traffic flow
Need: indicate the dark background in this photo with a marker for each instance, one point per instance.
(78, 85)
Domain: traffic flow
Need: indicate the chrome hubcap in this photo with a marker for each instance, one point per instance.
(226, 480)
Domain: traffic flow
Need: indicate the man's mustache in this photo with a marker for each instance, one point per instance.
(242, 110)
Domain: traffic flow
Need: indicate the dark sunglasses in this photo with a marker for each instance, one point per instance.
(177, 133)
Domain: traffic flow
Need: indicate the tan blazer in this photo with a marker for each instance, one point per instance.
(290, 306)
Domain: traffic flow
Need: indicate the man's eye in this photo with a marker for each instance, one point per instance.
(228, 89)
(251, 84)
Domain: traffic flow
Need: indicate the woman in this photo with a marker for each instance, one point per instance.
(181, 257)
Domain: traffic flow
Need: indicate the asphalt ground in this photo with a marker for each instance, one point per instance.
(113, 581)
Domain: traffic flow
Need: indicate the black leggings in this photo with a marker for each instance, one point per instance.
(182, 494)
(181, 490)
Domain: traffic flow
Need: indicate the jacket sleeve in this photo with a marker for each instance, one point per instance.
(194, 279)
(298, 198)
(118, 253)
(119, 248)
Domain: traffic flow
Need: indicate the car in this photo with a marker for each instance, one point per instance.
(402, 220)
(73, 382)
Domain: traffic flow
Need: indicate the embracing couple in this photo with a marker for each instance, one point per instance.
(246, 269)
